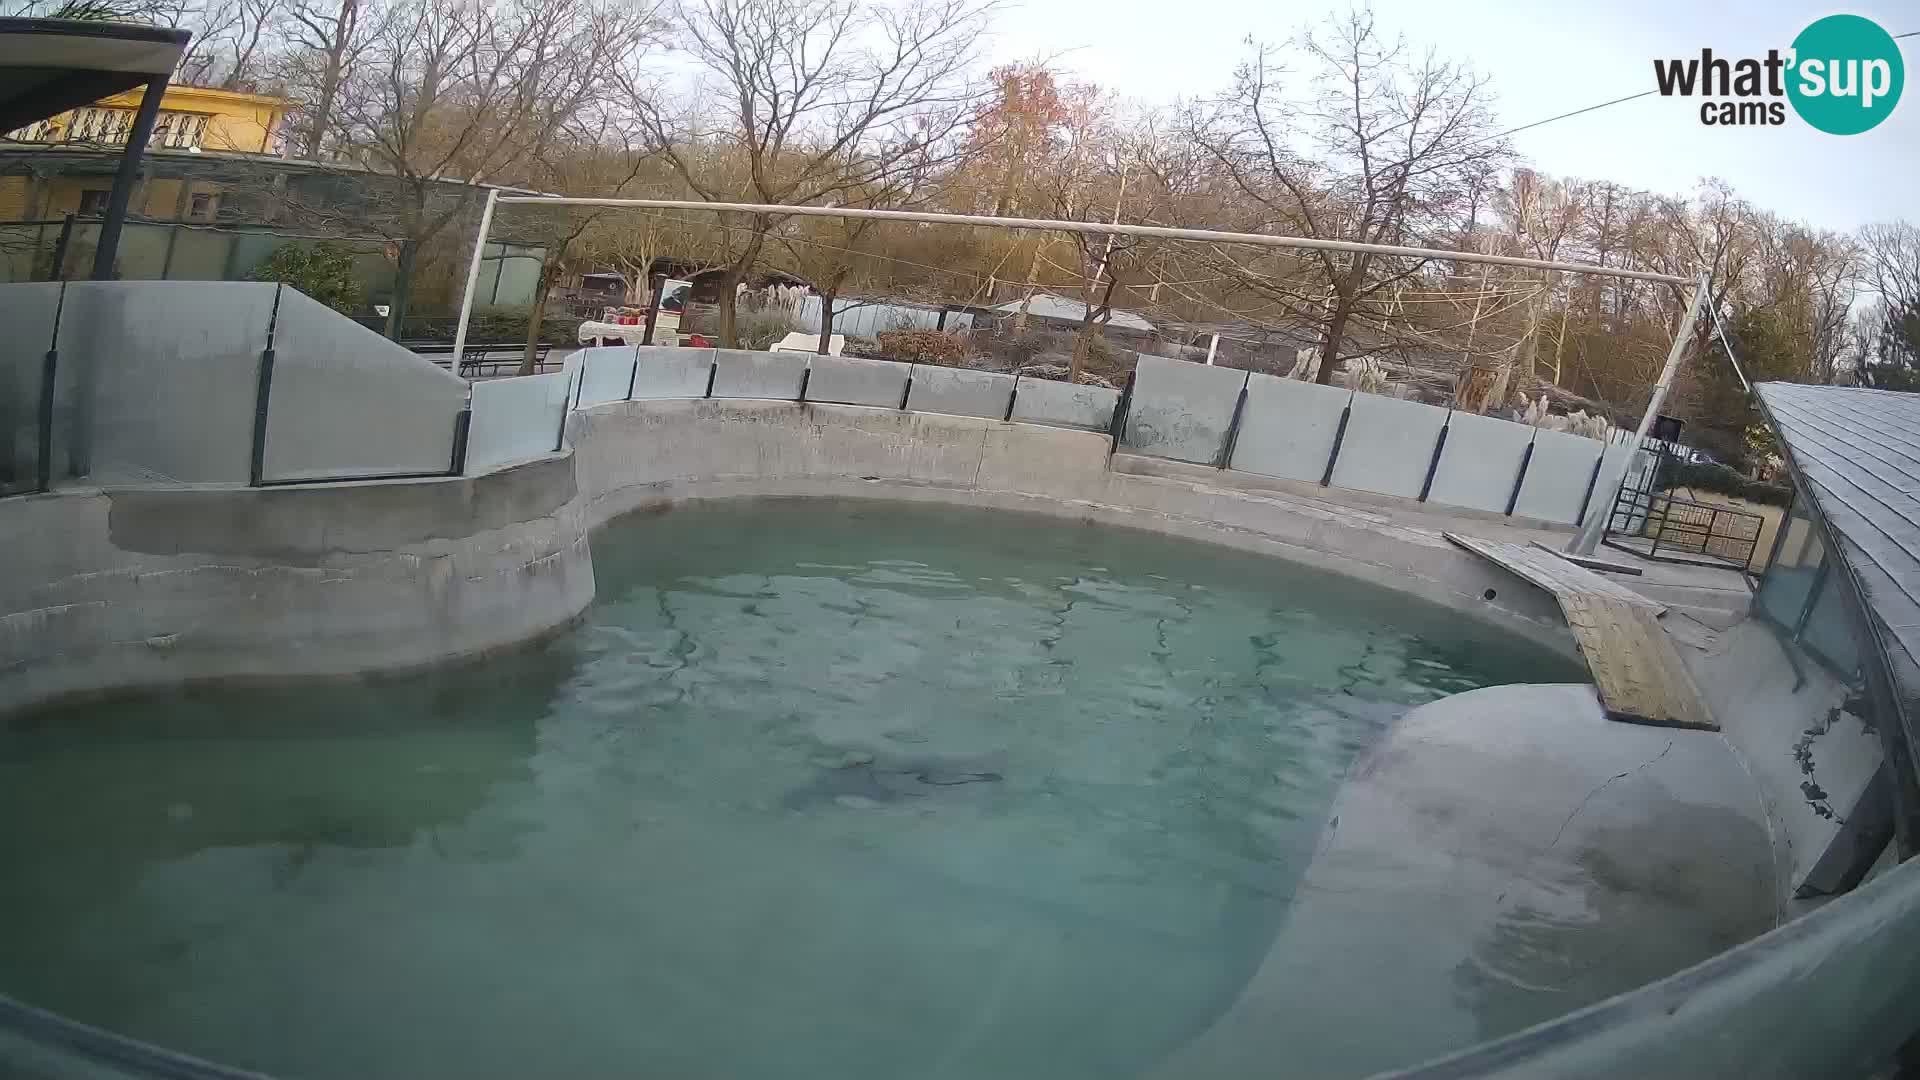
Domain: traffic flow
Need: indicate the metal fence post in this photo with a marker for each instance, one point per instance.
(1593, 478)
(1233, 428)
(49, 370)
(1339, 436)
(263, 395)
(1433, 464)
(1519, 481)
(461, 422)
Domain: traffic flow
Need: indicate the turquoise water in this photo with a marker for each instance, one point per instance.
(817, 789)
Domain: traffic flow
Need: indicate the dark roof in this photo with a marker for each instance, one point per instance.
(1858, 451)
(48, 66)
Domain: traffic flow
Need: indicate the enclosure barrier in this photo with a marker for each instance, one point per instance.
(1334, 437)
(118, 382)
(255, 383)
(1181, 411)
(519, 417)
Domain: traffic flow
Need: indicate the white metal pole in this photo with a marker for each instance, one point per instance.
(1606, 490)
(1159, 232)
(1212, 347)
(473, 277)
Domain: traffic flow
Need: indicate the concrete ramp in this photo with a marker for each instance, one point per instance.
(1639, 673)
(1499, 858)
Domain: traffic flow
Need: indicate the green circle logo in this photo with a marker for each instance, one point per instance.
(1846, 74)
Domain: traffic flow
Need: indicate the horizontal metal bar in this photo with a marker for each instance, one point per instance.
(1159, 232)
(362, 478)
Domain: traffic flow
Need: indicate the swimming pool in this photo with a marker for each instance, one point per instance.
(818, 788)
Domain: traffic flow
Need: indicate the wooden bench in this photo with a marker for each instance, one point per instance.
(486, 358)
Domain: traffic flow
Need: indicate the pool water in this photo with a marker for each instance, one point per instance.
(817, 789)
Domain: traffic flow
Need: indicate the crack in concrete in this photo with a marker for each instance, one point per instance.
(1608, 782)
(1644, 766)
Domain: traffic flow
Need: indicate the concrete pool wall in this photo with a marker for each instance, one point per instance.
(120, 588)
(125, 587)
(633, 455)
(117, 588)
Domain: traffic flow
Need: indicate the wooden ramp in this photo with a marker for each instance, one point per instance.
(1639, 673)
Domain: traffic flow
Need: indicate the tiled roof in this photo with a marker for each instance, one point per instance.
(1859, 451)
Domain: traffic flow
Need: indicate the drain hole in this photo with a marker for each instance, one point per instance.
(1488, 595)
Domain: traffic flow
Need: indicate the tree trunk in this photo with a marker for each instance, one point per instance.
(529, 360)
(1336, 331)
(1083, 343)
(322, 113)
(826, 323)
(1346, 289)
(336, 53)
(730, 286)
(1082, 340)
(402, 285)
(729, 336)
(1033, 272)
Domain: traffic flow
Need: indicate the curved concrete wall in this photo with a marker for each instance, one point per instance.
(121, 588)
(635, 454)
(112, 589)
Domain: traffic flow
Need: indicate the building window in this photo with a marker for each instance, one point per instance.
(200, 208)
(94, 201)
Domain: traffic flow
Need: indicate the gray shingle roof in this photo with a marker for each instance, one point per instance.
(1049, 306)
(1859, 451)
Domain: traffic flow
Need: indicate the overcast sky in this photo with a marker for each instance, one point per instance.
(1545, 59)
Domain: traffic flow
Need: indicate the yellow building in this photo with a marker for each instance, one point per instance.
(192, 120)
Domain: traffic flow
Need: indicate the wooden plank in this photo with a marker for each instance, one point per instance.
(1636, 669)
(1550, 571)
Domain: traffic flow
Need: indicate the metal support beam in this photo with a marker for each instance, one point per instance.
(1588, 538)
(143, 118)
(473, 277)
(1100, 228)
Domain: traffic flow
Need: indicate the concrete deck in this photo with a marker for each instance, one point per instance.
(1502, 857)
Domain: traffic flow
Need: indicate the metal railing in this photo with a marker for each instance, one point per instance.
(99, 125)
(1657, 525)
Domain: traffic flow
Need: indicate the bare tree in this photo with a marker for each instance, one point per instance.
(1391, 146)
(819, 98)
(232, 43)
(1892, 262)
(326, 40)
(448, 90)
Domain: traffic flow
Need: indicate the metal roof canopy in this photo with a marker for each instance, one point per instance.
(48, 66)
(1855, 453)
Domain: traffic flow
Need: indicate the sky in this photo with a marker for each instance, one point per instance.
(1545, 58)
